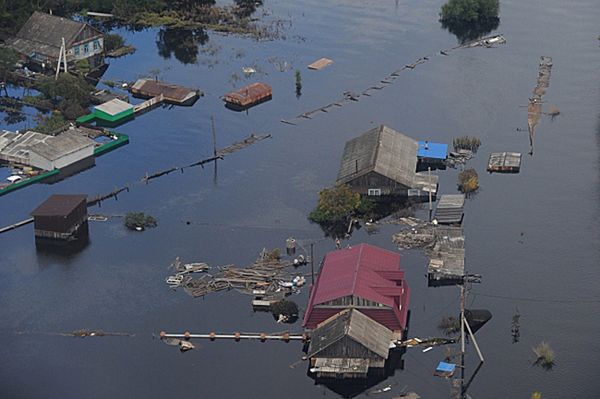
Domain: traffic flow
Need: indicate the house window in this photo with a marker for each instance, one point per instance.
(374, 191)
(96, 45)
(86, 48)
(76, 49)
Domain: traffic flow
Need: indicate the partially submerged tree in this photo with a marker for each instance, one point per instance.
(468, 181)
(139, 221)
(284, 310)
(298, 83)
(544, 355)
(466, 143)
(8, 59)
(449, 325)
(339, 204)
(470, 19)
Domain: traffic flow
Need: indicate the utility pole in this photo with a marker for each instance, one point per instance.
(312, 265)
(462, 338)
(214, 135)
(430, 188)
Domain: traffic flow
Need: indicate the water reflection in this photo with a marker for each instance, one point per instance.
(350, 388)
(181, 43)
(465, 32)
(247, 7)
(51, 251)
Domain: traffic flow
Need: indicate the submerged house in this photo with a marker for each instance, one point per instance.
(39, 42)
(383, 161)
(357, 307)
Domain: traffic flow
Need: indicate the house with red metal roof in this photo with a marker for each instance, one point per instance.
(366, 278)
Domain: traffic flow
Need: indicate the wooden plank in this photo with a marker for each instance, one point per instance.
(320, 64)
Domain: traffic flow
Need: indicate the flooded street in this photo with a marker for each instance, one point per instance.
(533, 236)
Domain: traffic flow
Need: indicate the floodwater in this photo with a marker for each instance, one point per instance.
(533, 236)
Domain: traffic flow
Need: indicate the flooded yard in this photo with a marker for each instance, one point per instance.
(533, 236)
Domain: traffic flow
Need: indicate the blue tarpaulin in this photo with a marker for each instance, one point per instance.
(444, 367)
(432, 150)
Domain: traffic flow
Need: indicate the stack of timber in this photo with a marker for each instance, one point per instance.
(504, 162)
(450, 209)
(172, 94)
(248, 96)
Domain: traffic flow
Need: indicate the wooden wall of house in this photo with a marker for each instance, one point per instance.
(362, 184)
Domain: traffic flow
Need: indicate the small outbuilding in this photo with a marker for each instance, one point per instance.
(60, 217)
(349, 345)
(432, 155)
(248, 96)
(113, 111)
(383, 161)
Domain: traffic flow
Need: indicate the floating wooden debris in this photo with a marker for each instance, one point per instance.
(534, 109)
(504, 162)
(173, 94)
(450, 209)
(248, 96)
(320, 64)
(266, 275)
(488, 41)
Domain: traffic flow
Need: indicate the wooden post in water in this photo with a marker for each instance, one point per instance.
(214, 135)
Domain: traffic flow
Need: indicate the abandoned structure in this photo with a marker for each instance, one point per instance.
(357, 307)
(248, 96)
(383, 161)
(40, 42)
(61, 217)
(171, 93)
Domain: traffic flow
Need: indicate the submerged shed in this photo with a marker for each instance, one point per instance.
(173, 94)
(447, 258)
(60, 216)
(113, 110)
(450, 209)
(348, 345)
(383, 161)
(505, 162)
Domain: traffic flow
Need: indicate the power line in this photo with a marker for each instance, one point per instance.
(532, 299)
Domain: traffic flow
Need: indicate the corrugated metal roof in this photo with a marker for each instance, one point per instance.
(383, 150)
(61, 145)
(59, 205)
(450, 208)
(356, 272)
(114, 106)
(432, 150)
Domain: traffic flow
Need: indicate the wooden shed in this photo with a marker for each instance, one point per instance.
(60, 216)
(349, 345)
(383, 161)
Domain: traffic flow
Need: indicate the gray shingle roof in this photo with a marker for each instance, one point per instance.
(383, 150)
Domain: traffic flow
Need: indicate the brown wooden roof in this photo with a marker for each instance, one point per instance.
(59, 205)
